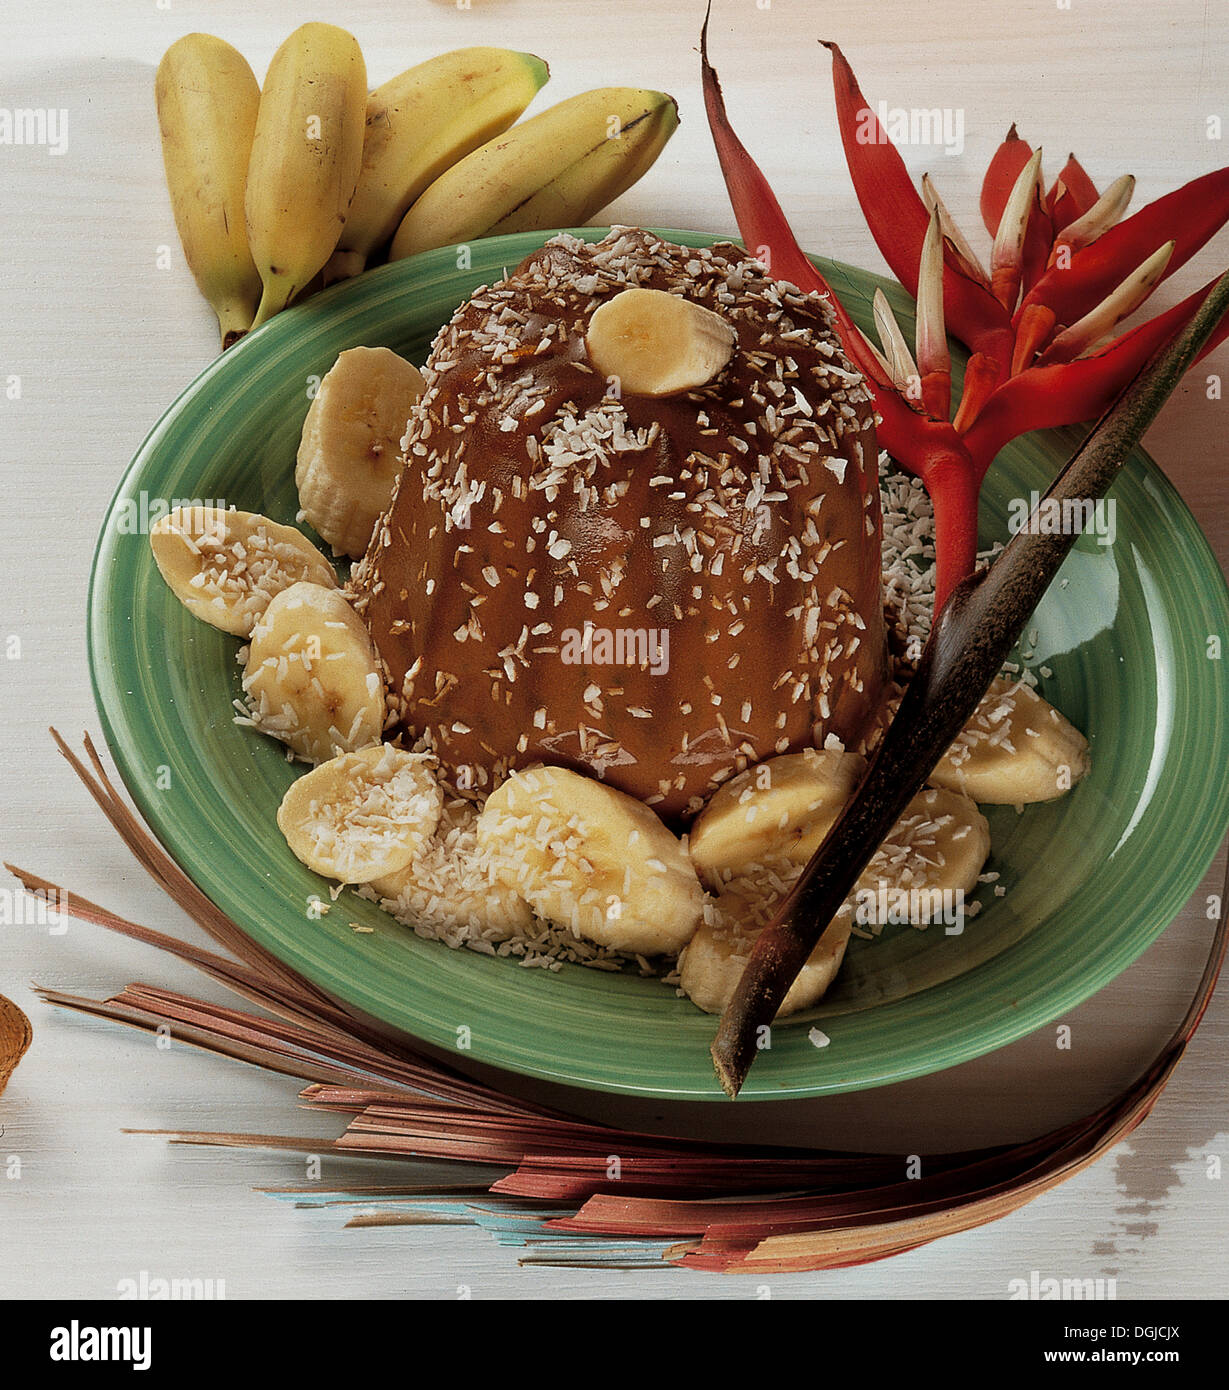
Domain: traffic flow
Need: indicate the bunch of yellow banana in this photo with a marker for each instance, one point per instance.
(418, 126)
(278, 189)
(555, 170)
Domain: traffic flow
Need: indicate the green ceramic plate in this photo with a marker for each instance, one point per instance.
(1091, 879)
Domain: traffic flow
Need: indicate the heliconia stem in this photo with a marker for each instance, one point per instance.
(1104, 214)
(981, 376)
(1033, 329)
(953, 484)
(937, 394)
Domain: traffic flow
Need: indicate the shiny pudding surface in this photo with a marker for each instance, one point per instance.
(659, 591)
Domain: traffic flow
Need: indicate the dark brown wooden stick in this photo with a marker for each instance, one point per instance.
(971, 639)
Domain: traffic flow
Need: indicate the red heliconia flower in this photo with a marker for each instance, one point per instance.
(1064, 271)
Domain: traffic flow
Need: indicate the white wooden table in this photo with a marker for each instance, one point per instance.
(102, 340)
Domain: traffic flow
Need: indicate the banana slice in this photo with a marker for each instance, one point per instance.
(1016, 749)
(362, 815)
(929, 861)
(311, 677)
(658, 344)
(714, 959)
(225, 566)
(591, 858)
(350, 452)
(781, 808)
(919, 874)
(450, 884)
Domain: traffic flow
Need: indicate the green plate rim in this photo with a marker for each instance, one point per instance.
(1029, 1014)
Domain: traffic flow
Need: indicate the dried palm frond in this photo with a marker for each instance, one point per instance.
(570, 1191)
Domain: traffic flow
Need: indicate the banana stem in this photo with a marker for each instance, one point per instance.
(234, 320)
(274, 299)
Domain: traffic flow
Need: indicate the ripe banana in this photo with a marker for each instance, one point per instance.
(225, 567)
(781, 808)
(306, 155)
(311, 677)
(1017, 748)
(591, 858)
(350, 452)
(938, 846)
(449, 884)
(419, 125)
(553, 170)
(658, 344)
(207, 97)
(362, 815)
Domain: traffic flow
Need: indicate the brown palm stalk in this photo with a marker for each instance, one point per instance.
(972, 637)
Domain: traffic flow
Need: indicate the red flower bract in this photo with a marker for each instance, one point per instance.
(1064, 272)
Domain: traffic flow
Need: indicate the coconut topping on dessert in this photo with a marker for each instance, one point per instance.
(659, 589)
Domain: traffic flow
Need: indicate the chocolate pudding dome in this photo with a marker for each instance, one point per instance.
(637, 529)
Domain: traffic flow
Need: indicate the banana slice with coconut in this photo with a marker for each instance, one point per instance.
(1016, 749)
(658, 344)
(312, 678)
(226, 566)
(591, 858)
(931, 858)
(713, 961)
(350, 451)
(450, 883)
(363, 815)
(781, 808)
(933, 854)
